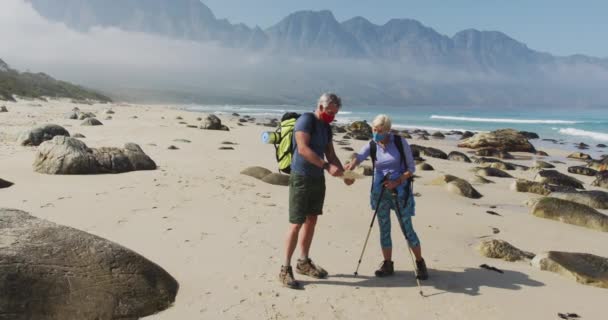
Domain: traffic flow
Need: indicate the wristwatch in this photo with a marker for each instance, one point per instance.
(326, 166)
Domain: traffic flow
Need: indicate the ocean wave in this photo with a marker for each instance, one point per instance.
(500, 120)
(600, 136)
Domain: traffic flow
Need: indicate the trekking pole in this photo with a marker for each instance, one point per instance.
(396, 198)
(371, 225)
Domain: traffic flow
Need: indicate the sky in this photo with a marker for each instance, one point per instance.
(559, 27)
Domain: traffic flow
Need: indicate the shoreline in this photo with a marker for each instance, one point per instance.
(220, 234)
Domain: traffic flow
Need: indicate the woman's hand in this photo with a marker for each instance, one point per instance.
(392, 184)
(350, 166)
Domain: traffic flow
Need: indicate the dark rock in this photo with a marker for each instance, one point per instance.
(360, 130)
(348, 149)
(529, 135)
(579, 156)
(110, 111)
(179, 118)
(5, 184)
(91, 122)
(584, 268)
(582, 171)
(543, 165)
(71, 115)
(555, 177)
(226, 148)
(240, 120)
(601, 145)
(78, 135)
(434, 153)
(601, 180)
(466, 135)
(480, 180)
(550, 140)
(86, 115)
(211, 122)
(38, 135)
(493, 152)
(234, 114)
(182, 140)
(48, 271)
(595, 199)
(424, 167)
(541, 153)
(499, 249)
(458, 156)
(172, 147)
(3, 109)
(438, 135)
(582, 146)
(108, 118)
(277, 179)
(522, 185)
(463, 188)
(492, 172)
(571, 213)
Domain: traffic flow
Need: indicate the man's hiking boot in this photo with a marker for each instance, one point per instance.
(307, 267)
(386, 269)
(421, 271)
(286, 278)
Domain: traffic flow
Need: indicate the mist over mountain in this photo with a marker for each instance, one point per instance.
(400, 62)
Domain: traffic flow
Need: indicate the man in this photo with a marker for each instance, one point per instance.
(313, 139)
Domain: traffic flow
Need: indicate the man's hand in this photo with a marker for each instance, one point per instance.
(335, 171)
(348, 182)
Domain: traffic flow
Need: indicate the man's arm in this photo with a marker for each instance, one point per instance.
(303, 142)
(330, 154)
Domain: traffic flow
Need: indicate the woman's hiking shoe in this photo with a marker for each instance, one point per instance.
(421, 271)
(386, 269)
(307, 267)
(286, 278)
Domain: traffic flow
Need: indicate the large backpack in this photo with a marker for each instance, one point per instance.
(283, 144)
(373, 147)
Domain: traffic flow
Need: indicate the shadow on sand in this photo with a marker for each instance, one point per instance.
(467, 281)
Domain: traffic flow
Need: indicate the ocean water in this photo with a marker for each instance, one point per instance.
(566, 126)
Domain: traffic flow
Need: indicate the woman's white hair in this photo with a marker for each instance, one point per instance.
(383, 122)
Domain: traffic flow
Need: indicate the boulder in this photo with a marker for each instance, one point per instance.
(557, 178)
(582, 171)
(594, 198)
(256, 172)
(5, 184)
(211, 122)
(38, 135)
(521, 185)
(3, 109)
(110, 111)
(277, 179)
(65, 155)
(601, 180)
(579, 156)
(582, 146)
(541, 153)
(458, 156)
(85, 115)
(463, 188)
(424, 167)
(492, 172)
(91, 122)
(504, 139)
(438, 135)
(466, 135)
(601, 145)
(443, 180)
(48, 271)
(571, 213)
(529, 135)
(539, 164)
(434, 153)
(73, 115)
(480, 180)
(499, 249)
(493, 152)
(584, 268)
(360, 130)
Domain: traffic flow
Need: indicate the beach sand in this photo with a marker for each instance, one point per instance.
(221, 234)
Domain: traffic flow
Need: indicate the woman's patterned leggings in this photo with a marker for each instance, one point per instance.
(384, 222)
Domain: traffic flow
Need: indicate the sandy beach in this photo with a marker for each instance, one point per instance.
(220, 234)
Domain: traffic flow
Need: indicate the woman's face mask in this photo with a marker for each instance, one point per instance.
(378, 136)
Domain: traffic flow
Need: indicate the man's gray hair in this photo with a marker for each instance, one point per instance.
(330, 98)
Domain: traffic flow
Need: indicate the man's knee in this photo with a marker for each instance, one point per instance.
(294, 228)
(311, 220)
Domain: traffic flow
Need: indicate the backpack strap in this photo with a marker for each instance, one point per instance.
(373, 148)
(399, 145)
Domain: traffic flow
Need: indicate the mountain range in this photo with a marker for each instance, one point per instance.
(317, 34)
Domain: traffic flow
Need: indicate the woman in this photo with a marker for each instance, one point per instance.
(397, 193)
